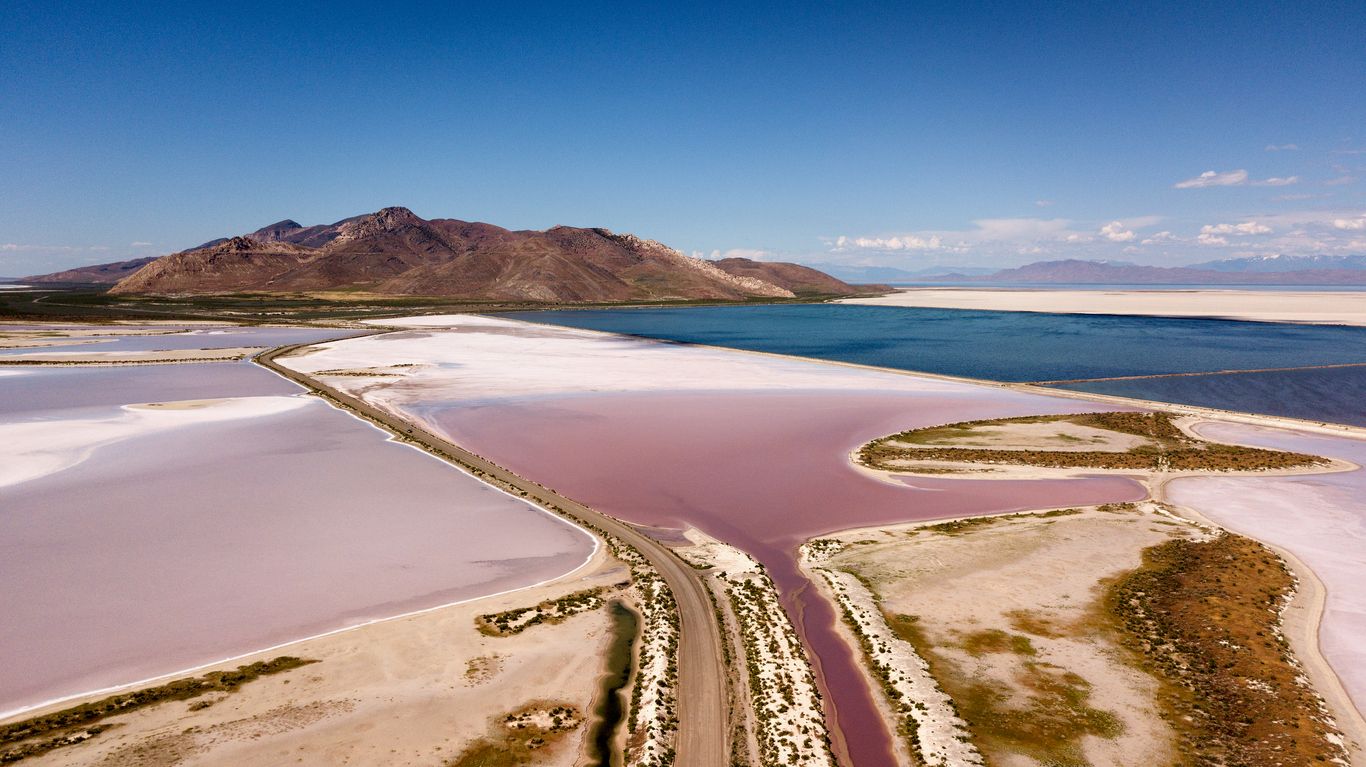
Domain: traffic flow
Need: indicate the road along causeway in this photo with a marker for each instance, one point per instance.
(702, 710)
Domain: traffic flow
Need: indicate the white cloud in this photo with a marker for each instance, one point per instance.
(1282, 147)
(1115, 232)
(139, 244)
(14, 247)
(1238, 230)
(1044, 203)
(1158, 238)
(1350, 224)
(1209, 239)
(1340, 180)
(1211, 178)
(1238, 177)
(898, 242)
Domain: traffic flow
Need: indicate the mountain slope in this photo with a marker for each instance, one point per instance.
(801, 280)
(99, 274)
(395, 252)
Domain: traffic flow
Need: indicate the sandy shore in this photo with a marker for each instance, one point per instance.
(414, 690)
(1316, 307)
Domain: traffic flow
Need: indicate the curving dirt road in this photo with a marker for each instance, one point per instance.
(702, 711)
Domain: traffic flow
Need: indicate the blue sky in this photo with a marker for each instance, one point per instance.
(895, 134)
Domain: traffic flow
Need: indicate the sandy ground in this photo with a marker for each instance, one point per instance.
(163, 355)
(1048, 435)
(1050, 567)
(409, 691)
(7, 342)
(1321, 307)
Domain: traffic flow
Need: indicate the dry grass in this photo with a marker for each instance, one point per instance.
(1204, 615)
(1166, 448)
(1048, 723)
(521, 736)
(77, 724)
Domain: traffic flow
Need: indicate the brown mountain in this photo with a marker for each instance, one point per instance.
(395, 252)
(99, 274)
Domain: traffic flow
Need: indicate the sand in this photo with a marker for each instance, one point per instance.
(409, 691)
(1050, 567)
(1316, 307)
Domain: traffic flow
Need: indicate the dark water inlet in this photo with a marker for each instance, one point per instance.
(608, 714)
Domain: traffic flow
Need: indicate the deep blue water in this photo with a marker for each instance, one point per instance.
(1027, 346)
(1337, 395)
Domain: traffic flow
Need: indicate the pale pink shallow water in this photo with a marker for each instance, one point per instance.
(764, 471)
(184, 547)
(1321, 519)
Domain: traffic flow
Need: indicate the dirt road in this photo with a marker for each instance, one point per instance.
(702, 713)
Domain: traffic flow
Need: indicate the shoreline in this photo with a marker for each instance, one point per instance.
(1256, 419)
(1301, 629)
(1231, 303)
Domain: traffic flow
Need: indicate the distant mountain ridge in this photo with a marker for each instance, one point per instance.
(1279, 263)
(395, 252)
(873, 274)
(1118, 273)
(98, 274)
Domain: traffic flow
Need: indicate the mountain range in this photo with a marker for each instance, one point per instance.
(1230, 272)
(395, 252)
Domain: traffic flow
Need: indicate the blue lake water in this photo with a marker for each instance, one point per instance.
(1024, 346)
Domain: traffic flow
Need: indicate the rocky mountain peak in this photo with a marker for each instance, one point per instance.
(383, 220)
(238, 244)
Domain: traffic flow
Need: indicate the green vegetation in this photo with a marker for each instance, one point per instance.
(1205, 616)
(1165, 448)
(551, 611)
(986, 641)
(94, 304)
(519, 736)
(1048, 724)
(80, 723)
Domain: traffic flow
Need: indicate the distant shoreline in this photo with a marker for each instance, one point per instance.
(1314, 307)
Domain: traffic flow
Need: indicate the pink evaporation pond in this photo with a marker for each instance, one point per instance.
(187, 546)
(764, 471)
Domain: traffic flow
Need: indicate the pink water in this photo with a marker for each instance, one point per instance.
(764, 471)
